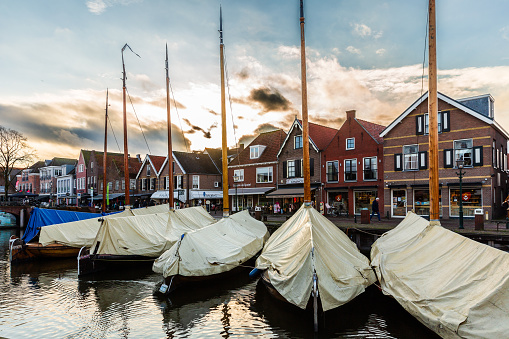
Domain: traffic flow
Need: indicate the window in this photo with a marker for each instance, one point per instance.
(132, 184)
(350, 143)
(463, 150)
(81, 168)
(351, 170)
(117, 183)
(494, 155)
(148, 170)
(179, 181)
(264, 174)
(291, 169)
(238, 175)
(370, 168)
(91, 164)
(196, 181)
(426, 123)
(410, 158)
(102, 186)
(298, 142)
(144, 184)
(166, 183)
(333, 171)
(152, 184)
(123, 184)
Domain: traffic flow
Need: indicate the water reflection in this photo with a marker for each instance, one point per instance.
(46, 299)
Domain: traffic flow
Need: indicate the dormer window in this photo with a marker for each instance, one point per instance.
(256, 151)
(298, 142)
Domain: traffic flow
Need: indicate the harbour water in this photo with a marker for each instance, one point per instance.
(47, 300)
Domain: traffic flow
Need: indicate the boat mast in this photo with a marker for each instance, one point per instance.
(226, 202)
(105, 152)
(433, 118)
(305, 124)
(170, 155)
(126, 158)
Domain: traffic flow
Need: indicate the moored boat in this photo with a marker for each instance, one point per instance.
(455, 286)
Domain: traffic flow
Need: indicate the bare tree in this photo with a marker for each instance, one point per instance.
(14, 151)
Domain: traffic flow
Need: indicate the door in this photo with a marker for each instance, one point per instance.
(398, 203)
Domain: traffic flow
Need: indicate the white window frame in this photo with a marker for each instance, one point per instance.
(132, 184)
(288, 169)
(354, 162)
(254, 152)
(268, 172)
(371, 168)
(238, 173)
(456, 153)
(426, 123)
(295, 145)
(179, 182)
(350, 139)
(413, 158)
(328, 172)
(144, 184)
(196, 182)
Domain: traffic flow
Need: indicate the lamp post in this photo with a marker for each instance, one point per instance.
(235, 179)
(460, 163)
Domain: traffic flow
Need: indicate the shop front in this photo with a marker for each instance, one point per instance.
(363, 199)
(290, 199)
(422, 201)
(248, 197)
(471, 197)
(211, 199)
(337, 201)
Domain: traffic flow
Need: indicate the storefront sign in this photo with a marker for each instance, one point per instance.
(295, 181)
(338, 197)
(466, 196)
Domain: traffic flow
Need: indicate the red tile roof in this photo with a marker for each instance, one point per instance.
(373, 129)
(157, 161)
(321, 135)
(272, 140)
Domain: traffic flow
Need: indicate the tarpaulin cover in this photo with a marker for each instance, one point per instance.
(76, 233)
(309, 242)
(151, 209)
(41, 217)
(214, 249)
(148, 235)
(456, 286)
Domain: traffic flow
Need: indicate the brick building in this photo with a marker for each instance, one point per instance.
(468, 131)
(148, 178)
(29, 179)
(290, 180)
(49, 173)
(253, 173)
(352, 166)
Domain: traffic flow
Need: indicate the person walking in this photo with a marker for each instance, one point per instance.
(375, 208)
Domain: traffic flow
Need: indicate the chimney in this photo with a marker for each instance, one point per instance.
(138, 157)
(350, 114)
(241, 147)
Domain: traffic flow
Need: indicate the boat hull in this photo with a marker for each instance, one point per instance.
(92, 264)
(33, 251)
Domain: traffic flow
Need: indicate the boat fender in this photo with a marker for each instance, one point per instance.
(254, 273)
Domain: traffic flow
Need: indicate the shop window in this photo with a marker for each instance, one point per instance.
(471, 200)
(363, 200)
(422, 202)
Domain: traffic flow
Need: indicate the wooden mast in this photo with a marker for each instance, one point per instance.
(105, 154)
(433, 118)
(126, 153)
(170, 155)
(224, 147)
(305, 124)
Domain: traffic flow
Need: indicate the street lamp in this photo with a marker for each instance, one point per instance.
(460, 163)
(235, 179)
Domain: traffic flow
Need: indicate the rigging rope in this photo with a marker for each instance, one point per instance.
(231, 108)
(112, 131)
(136, 115)
(178, 115)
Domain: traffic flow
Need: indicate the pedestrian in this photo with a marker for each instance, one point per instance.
(375, 208)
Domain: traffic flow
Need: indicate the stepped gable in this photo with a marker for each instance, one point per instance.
(272, 140)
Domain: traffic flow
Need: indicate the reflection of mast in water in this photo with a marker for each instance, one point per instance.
(225, 320)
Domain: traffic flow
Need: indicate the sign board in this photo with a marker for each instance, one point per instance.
(295, 181)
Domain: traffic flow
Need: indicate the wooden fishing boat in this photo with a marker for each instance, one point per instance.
(308, 262)
(20, 252)
(221, 249)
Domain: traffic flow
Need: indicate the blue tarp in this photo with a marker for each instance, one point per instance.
(41, 217)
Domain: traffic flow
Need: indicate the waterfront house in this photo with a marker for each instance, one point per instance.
(468, 131)
(352, 166)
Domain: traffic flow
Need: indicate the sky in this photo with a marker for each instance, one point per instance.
(58, 58)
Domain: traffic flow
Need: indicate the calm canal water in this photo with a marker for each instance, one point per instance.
(46, 300)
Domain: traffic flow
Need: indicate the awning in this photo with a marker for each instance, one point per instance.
(288, 193)
(111, 196)
(205, 195)
(164, 195)
(249, 190)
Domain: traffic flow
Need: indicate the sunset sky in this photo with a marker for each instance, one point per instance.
(58, 58)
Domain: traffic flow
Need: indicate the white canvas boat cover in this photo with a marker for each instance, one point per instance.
(309, 242)
(82, 232)
(214, 249)
(147, 235)
(76, 233)
(457, 287)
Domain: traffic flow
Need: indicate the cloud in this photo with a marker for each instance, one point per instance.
(269, 100)
(380, 51)
(505, 32)
(194, 128)
(99, 6)
(353, 50)
(289, 52)
(365, 31)
(248, 138)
